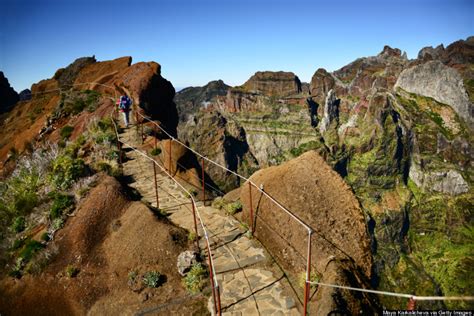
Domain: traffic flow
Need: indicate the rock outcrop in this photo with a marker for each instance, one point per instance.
(66, 76)
(8, 96)
(192, 99)
(331, 111)
(319, 196)
(272, 83)
(442, 83)
(25, 95)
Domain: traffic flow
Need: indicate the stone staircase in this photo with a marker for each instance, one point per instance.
(250, 282)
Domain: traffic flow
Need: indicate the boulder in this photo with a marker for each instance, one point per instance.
(318, 196)
(186, 260)
(444, 84)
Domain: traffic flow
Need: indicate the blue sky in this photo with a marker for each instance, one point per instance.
(199, 41)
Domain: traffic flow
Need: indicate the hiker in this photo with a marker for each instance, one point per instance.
(124, 104)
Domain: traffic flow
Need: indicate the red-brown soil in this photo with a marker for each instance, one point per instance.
(107, 237)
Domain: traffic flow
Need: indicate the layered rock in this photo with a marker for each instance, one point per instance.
(272, 83)
(8, 96)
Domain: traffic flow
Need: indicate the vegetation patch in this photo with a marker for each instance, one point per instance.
(195, 280)
(66, 132)
(152, 279)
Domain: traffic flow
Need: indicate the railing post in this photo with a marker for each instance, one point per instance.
(141, 125)
(252, 221)
(119, 146)
(195, 225)
(155, 136)
(156, 186)
(308, 277)
(218, 294)
(411, 304)
(211, 274)
(169, 149)
(203, 183)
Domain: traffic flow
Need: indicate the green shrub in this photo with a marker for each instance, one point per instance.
(218, 203)
(155, 151)
(19, 224)
(61, 202)
(45, 236)
(31, 247)
(65, 171)
(233, 208)
(57, 223)
(18, 195)
(18, 243)
(192, 236)
(195, 279)
(72, 271)
(313, 278)
(152, 279)
(16, 270)
(66, 132)
(132, 276)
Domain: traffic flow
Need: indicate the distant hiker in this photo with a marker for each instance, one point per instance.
(124, 104)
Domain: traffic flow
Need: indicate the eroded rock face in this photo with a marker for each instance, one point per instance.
(8, 96)
(450, 182)
(331, 111)
(442, 83)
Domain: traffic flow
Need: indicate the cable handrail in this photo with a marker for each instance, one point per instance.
(308, 228)
(411, 296)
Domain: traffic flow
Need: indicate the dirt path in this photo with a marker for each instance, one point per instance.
(244, 269)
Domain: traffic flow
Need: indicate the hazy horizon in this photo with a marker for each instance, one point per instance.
(199, 42)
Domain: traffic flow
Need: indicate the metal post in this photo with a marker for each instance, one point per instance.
(203, 183)
(195, 225)
(308, 276)
(119, 145)
(218, 294)
(156, 186)
(251, 209)
(169, 166)
(211, 274)
(411, 304)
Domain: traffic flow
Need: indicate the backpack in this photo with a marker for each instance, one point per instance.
(124, 104)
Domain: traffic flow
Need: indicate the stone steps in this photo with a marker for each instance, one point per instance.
(245, 287)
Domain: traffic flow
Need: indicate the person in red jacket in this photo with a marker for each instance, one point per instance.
(124, 104)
